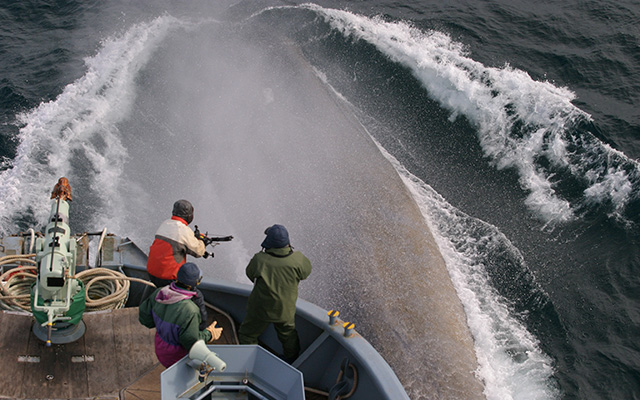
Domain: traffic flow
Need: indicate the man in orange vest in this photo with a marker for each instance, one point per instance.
(174, 240)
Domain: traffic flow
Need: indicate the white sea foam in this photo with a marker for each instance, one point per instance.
(519, 120)
(80, 124)
(612, 181)
(511, 363)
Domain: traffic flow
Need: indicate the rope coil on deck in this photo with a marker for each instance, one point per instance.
(106, 289)
(15, 294)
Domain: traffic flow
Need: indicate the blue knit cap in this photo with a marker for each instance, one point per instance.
(277, 237)
(189, 274)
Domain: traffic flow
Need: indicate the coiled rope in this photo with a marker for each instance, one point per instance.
(15, 292)
(105, 289)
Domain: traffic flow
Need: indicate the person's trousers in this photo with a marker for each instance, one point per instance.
(252, 327)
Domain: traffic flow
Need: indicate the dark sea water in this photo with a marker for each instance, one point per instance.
(514, 125)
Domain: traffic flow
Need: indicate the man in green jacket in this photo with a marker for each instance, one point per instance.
(275, 272)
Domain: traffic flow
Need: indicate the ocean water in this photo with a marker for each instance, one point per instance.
(513, 125)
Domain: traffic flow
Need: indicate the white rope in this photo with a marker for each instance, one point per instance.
(15, 291)
(105, 289)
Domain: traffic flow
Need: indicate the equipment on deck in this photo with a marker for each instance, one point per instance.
(252, 373)
(65, 289)
(200, 353)
(57, 297)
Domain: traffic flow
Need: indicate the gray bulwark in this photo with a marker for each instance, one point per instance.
(250, 368)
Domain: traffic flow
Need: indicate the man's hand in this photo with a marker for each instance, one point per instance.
(206, 240)
(216, 332)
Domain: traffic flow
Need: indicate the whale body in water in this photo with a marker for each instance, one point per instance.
(240, 124)
(235, 119)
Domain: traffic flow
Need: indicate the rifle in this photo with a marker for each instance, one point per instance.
(210, 239)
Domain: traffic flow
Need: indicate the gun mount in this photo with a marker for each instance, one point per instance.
(57, 297)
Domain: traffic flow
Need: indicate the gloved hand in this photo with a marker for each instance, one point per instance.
(216, 332)
(207, 240)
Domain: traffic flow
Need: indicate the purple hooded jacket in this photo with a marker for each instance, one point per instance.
(176, 319)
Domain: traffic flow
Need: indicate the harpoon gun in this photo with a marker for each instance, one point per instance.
(207, 240)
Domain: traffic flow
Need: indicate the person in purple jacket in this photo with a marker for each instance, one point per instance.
(172, 311)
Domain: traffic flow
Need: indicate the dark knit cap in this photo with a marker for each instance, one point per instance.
(184, 210)
(189, 274)
(277, 237)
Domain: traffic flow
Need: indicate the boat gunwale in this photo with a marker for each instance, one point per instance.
(366, 356)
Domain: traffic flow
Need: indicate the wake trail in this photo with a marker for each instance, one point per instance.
(76, 135)
(523, 124)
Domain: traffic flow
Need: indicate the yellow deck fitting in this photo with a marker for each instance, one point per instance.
(348, 328)
(333, 315)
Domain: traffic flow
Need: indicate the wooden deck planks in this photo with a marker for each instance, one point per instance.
(15, 332)
(102, 372)
(132, 358)
(76, 370)
(147, 387)
(113, 352)
(36, 385)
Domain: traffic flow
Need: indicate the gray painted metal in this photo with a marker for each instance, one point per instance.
(249, 368)
(324, 346)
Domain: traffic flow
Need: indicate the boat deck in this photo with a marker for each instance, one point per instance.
(114, 359)
(110, 355)
(147, 386)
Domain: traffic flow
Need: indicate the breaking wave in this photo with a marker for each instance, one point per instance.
(523, 124)
(76, 135)
(511, 363)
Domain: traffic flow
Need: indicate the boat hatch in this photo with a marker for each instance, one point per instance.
(251, 371)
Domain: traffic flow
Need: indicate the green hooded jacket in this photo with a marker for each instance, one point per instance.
(176, 319)
(276, 274)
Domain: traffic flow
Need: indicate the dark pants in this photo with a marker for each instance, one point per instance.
(253, 327)
(198, 298)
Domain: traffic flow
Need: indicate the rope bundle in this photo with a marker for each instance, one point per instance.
(105, 289)
(15, 292)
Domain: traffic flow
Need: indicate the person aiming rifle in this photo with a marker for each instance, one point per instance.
(174, 240)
